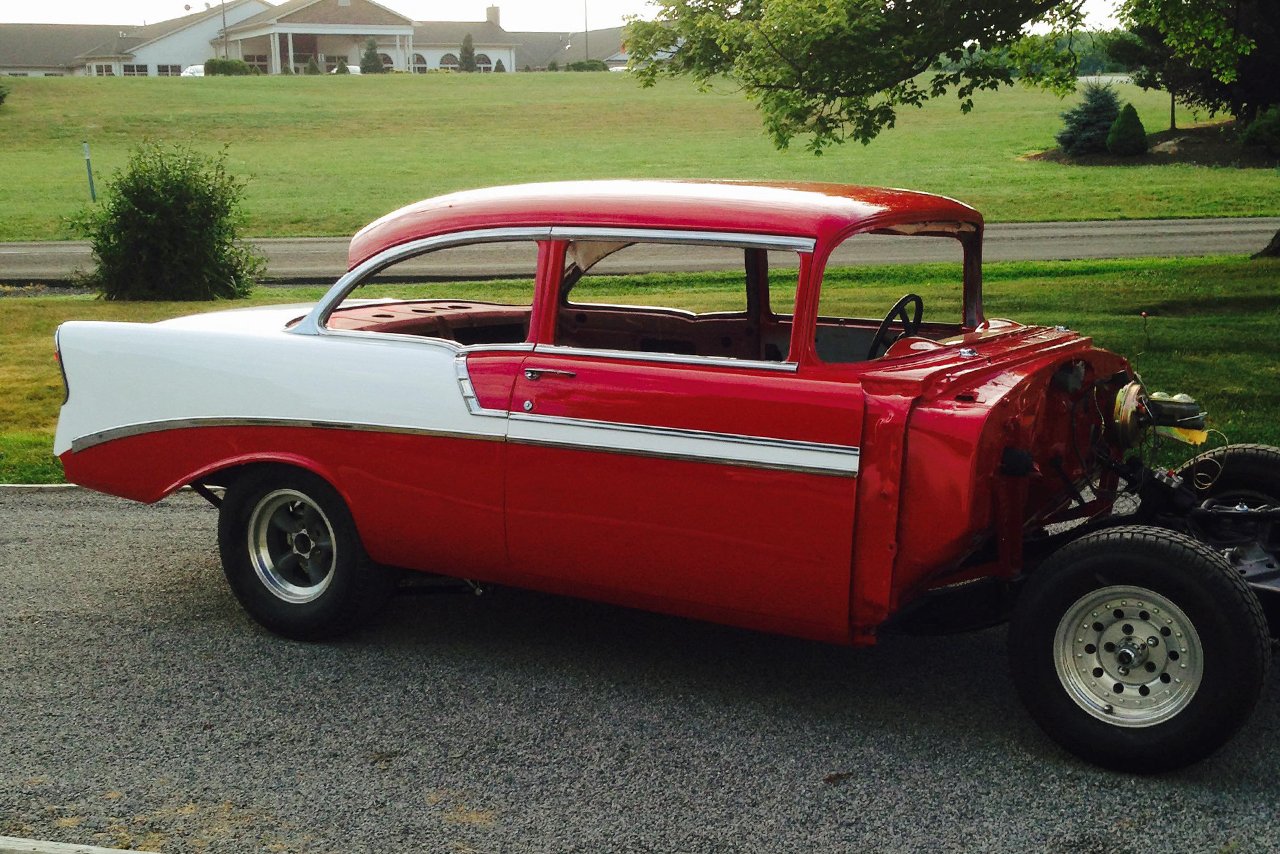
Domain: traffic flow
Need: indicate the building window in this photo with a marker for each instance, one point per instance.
(54, 74)
(103, 70)
(386, 62)
(449, 62)
(483, 63)
(258, 61)
(135, 71)
(17, 74)
(419, 63)
(168, 70)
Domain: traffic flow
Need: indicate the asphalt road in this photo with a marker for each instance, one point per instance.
(322, 259)
(139, 706)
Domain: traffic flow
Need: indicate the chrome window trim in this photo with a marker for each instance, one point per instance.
(744, 240)
(668, 358)
(87, 441)
(314, 322)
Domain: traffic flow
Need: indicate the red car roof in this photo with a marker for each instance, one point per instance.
(818, 211)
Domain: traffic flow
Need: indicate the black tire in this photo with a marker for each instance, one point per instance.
(293, 557)
(1249, 475)
(1246, 471)
(1181, 697)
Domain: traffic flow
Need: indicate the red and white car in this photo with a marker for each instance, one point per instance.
(755, 458)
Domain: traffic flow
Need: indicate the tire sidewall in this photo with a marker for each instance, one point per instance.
(321, 617)
(1180, 570)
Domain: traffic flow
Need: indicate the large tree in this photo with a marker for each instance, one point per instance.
(833, 70)
(1221, 55)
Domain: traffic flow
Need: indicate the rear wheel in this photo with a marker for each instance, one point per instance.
(1138, 649)
(293, 557)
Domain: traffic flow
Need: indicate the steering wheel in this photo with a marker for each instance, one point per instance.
(883, 340)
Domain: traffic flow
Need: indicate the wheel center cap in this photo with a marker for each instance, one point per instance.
(302, 543)
(1131, 654)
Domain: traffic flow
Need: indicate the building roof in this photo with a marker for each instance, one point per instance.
(451, 34)
(819, 211)
(50, 45)
(123, 41)
(328, 13)
(537, 50)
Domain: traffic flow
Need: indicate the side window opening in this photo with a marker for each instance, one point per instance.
(857, 320)
(677, 299)
(479, 293)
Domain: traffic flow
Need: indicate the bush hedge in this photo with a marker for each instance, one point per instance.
(168, 229)
(1263, 131)
(228, 68)
(4, 92)
(587, 65)
(1127, 137)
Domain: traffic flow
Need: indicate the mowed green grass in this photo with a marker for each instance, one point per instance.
(1211, 330)
(325, 155)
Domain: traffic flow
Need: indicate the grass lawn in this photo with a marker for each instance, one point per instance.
(1211, 331)
(327, 154)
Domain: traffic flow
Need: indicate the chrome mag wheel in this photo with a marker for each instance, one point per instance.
(1128, 656)
(291, 546)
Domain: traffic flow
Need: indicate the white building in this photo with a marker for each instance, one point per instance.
(288, 35)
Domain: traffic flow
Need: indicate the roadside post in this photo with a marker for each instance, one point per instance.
(88, 167)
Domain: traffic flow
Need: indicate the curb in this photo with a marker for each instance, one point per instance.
(36, 486)
(16, 845)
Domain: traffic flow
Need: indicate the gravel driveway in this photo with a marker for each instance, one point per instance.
(139, 706)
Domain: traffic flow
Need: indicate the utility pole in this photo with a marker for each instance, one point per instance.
(586, 33)
(224, 29)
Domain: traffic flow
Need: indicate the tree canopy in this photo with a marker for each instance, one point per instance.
(833, 70)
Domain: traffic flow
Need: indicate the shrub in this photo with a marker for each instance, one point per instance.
(587, 65)
(313, 67)
(370, 62)
(4, 92)
(168, 230)
(498, 67)
(467, 54)
(341, 67)
(1127, 137)
(227, 68)
(286, 68)
(1085, 127)
(1263, 131)
(553, 66)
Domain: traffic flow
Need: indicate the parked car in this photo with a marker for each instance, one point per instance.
(193, 71)
(351, 69)
(740, 450)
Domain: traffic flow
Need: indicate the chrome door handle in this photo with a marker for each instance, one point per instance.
(537, 373)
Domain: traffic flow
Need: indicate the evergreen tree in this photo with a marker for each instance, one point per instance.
(498, 66)
(341, 67)
(370, 62)
(467, 54)
(1086, 126)
(1127, 137)
(313, 67)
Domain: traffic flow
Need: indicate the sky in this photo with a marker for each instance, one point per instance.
(517, 15)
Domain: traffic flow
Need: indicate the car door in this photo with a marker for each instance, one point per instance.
(706, 486)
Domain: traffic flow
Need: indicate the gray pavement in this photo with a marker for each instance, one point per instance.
(139, 706)
(322, 259)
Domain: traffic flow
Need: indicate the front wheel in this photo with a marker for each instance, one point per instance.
(1138, 649)
(293, 557)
